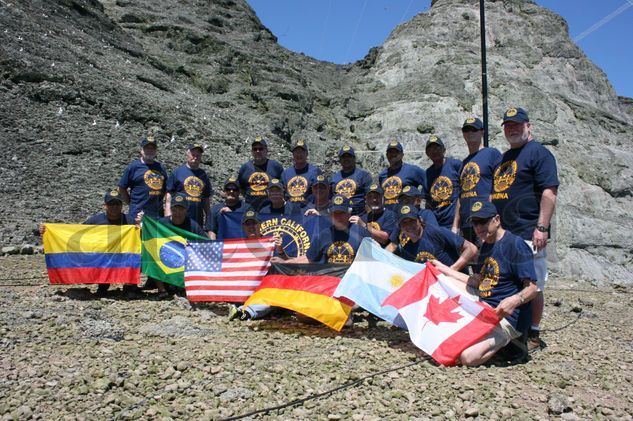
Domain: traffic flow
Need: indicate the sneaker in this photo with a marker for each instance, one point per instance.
(534, 342)
(234, 312)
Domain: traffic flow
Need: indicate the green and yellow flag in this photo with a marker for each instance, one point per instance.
(163, 251)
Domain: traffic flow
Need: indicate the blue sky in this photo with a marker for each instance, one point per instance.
(343, 31)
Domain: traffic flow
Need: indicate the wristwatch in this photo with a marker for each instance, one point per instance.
(541, 228)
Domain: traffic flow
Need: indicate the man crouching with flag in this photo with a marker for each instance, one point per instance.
(506, 280)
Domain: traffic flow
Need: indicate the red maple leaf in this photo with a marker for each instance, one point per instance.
(437, 312)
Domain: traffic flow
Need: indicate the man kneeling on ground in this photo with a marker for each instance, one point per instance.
(505, 279)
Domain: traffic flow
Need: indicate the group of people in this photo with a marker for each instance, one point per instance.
(490, 208)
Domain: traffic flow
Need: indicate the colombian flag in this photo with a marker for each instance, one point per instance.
(306, 289)
(92, 254)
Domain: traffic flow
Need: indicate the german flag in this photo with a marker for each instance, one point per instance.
(306, 289)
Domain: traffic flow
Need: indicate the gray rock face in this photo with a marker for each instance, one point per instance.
(83, 80)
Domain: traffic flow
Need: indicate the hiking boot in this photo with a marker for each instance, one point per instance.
(534, 342)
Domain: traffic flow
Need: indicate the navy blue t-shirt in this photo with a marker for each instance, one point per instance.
(392, 182)
(254, 181)
(189, 225)
(519, 181)
(476, 180)
(503, 265)
(147, 187)
(102, 219)
(442, 190)
(196, 185)
(353, 185)
(213, 220)
(384, 221)
(298, 183)
(289, 208)
(436, 243)
(334, 246)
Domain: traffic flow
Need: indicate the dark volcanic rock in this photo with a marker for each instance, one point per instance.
(81, 81)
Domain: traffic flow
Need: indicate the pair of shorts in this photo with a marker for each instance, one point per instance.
(540, 266)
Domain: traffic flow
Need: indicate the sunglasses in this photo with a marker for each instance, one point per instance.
(480, 221)
(470, 129)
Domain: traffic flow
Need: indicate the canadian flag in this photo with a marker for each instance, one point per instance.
(442, 320)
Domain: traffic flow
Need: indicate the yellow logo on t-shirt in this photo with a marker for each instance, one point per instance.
(489, 277)
(346, 187)
(470, 176)
(424, 256)
(505, 175)
(153, 179)
(392, 187)
(258, 181)
(340, 252)
(297, 186)
(193, 186)
(442, 189)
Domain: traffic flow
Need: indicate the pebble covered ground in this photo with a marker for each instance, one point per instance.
(67, 354)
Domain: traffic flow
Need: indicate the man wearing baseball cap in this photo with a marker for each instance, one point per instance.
(398, 175)
(112, 215)
(475, 179)
(411, 196)
(525, 187)
(379, 221)
(504, 278)
(193, 182)
(442, 182)
(145, 179)
(424, 243)
(231, 203)
(299, 178)
(351, 181)
(321, 203)
(255, 174)
(277, 203)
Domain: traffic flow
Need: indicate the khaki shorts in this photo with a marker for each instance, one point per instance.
(540, 266)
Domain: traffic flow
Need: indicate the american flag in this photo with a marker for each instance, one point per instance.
(227, 270)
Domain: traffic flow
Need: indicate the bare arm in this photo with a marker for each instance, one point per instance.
(211, 235)
(124, 195)
(391, 247)
(468, 251)
(457, 219)
(509, 304)
(167, 205)
(462, 277)
(548, 204)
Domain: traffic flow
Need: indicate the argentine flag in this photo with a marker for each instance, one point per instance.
(373, 276)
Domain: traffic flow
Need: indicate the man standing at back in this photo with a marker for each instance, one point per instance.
(193, 182)
(524, 192)
(255, 175)
(442, 182)
(145, 178)
(351, 181)
(399, 175)
(476, 177)
(299, 178)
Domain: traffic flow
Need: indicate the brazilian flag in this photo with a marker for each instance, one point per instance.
(163, 251)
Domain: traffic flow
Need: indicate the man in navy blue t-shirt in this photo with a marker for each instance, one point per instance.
(339, 242)
(231, 203)
(112, 215)
(193, 182)
(299, 178)
(504, 278)
(351, 181)
(399, 175)
(379, 221)
(442, 182)
(476, 177)
(525, 187)
(277, 204)
(320, 205)
(255, 175)
(145, 178)
(424, 243)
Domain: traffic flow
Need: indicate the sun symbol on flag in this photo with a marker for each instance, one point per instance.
(396, 280)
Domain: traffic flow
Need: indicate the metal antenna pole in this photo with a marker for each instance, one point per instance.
(484, 72)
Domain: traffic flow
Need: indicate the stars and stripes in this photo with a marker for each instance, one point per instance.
(227, 270)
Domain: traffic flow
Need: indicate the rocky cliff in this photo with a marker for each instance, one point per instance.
(82, 80)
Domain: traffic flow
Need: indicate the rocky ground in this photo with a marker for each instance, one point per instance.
(69, 355)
